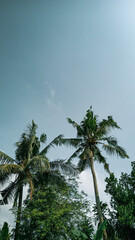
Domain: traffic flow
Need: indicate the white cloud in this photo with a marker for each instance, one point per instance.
(87, 185)
(51, 100)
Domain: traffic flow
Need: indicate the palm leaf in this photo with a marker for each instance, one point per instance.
(101, 159)
(80, 131)
(105, 126)
(50, 178)
(4, 158)
(110, 140)
(4, 178)
(10, 169)
(115, 150)
(83, 164)
(64, 167)
(43, 138)
(6, 171)
(99, 233)
(75, 154)
(75, 142)
(31, 130)
(31, 138)
(109, 149)
(8, 192)
(74, 124)
(121, 152)
(55, 142)
(89, 123)
(28, 143)
(37, 163)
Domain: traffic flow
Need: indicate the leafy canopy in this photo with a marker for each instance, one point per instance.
(122, 203)
(56, 213)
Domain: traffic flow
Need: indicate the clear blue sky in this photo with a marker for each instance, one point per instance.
(59, 57)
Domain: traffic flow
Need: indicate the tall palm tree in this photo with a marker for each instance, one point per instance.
(92, 135)
(29, 162)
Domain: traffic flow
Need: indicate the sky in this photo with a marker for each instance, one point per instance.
(58, 58)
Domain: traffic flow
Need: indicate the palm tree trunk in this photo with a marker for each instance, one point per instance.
(18, 213)
(97, 194)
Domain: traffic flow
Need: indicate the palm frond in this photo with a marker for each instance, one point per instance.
(105, 126)
(4, 158)
(89, 123)
(64, 167)
(31, 129)
(28, 145)
(101, 159)
(79, 128)
(8, 193)
(110, 140)
(6, 171)
(4, 178)
(74, 124)
(115, 150)
(121, 152)
(11, 192)
(55, 142)
(75, 154)
(83, 164)
(85, 154)
(53, 177)
(37, 163)
(10, 169)
(21, 152)
(101, 228)
(109, 149)
(31, 138)
(43, 138)
(75, 142)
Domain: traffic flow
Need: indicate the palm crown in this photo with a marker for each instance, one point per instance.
(27, 161)
(91, 136)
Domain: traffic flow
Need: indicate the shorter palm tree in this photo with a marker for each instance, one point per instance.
(28, 164)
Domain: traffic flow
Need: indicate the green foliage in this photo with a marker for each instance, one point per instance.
(78, 235)
(99, 233)
(123, 203)
(4, 233)
(56, 213)
(107, 216)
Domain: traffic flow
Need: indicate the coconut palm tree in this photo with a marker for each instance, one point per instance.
(92, 135)
(28, 164)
